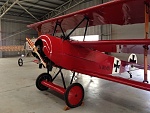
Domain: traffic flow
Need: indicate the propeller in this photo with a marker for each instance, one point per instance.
(31, 44)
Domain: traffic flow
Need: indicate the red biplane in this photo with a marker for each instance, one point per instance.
(86, 56)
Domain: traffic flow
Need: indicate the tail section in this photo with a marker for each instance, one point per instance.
(132, 58)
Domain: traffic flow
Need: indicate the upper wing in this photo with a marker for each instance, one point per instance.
(119, 12)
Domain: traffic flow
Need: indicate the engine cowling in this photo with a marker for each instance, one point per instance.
(44, 48)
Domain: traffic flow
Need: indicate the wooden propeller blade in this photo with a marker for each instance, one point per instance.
(31, 44)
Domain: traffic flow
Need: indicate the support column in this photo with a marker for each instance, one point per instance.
(0, 38)
(146, 37)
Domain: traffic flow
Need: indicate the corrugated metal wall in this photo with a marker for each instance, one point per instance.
(14, 31)
(128, 31)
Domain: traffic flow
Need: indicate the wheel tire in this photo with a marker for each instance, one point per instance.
(74, 95)
(20, 62)
(41, 77)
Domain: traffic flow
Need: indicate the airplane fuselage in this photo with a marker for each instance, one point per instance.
(76, 58)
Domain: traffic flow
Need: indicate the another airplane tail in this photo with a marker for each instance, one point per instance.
(132, 58)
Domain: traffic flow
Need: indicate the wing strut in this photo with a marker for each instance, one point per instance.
(65, 37)
(87, 23)
(85, 18)
(59, 24)
(146, 37)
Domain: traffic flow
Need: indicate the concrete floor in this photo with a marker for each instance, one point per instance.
(18, 93)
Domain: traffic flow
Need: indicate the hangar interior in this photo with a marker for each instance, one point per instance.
(18, 93)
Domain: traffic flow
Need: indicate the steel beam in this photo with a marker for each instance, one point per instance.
(14, 34)
(16, 20)
(27, 11)
(36, 6)
(52, 2)
(62, 8)
(4, 9)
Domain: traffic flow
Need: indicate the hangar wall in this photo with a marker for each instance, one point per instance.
(14, 31)
(128, 31)
(0, 38)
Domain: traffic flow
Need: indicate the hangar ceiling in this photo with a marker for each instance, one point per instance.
(37, 9)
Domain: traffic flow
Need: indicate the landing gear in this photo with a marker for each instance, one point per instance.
(73, 94)
(20, 62)
(130, 74)
(145, 81)
(41, 77)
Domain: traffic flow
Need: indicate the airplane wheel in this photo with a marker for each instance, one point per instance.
(41, 77)
(74, 95)
(20, 62)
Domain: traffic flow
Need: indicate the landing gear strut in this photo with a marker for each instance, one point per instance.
(73, 94)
